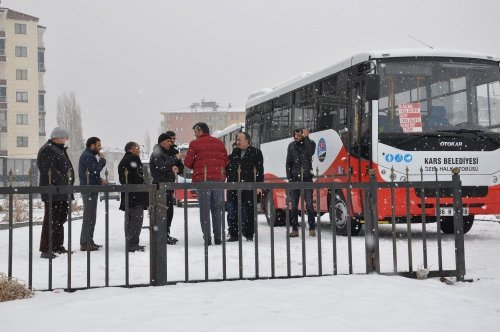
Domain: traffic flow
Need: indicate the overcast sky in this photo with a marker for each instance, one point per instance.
(127, 61)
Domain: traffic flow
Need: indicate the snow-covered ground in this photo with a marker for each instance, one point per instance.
(343, 302)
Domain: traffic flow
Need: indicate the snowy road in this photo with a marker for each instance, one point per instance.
(342, 303)
(482, 238)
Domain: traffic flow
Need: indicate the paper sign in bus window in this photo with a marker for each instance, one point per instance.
(410, 117)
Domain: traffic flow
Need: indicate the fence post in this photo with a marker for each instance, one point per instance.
(371, 227)
(158, 235)
(458, 223)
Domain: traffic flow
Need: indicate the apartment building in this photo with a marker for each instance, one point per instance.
(215, 116)
(22, 93)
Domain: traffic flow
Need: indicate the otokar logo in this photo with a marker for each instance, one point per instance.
(451, 144)
(321, 149)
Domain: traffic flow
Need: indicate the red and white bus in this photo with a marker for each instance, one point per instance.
(397, 109)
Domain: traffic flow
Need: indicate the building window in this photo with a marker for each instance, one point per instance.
(21, 51)
(22, 141)
(20, 28)
(41, 124)
(3, 120)
(41, 60)
(22, 96)
(21, 74)
(3, 94)
(22, 119)
(41, 102)
(2, 46)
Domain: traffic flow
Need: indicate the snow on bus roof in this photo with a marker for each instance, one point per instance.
(228, 129)
(306, 78)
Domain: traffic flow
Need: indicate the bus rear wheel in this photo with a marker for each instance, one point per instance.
(280, 213)
(448, 228)
(339, 213)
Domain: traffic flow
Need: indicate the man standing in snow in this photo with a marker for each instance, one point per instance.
(164, 167)
(52, 158)
(246, 164)
(89, 171)
(299, 169)
(131, 171)
(207, 157)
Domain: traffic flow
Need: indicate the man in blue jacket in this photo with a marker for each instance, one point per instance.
(89, 171)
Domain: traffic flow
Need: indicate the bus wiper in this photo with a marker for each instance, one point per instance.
(418, 136)
(478, 132)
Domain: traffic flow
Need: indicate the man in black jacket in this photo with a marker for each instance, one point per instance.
(174, 151)
(246, 164)
(131, 171)
(56, 170)
(164, 166)
(299, 169)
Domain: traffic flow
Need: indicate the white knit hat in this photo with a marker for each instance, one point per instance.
(59, 132)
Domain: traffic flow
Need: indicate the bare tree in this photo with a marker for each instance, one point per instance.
(147, 143)
(69, 117)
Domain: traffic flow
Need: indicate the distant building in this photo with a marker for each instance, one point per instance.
(22, 93)
(215, 116)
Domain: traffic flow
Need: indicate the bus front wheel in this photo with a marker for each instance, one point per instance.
(339, 214)
(448, 228)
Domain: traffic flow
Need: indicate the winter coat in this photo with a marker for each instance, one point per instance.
(210, 153)
(160, 165)
(298, 157)
(54, 157)
(88, 161)
(252, 159)
(133, 165)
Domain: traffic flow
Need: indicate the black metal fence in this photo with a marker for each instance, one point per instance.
(272, 254)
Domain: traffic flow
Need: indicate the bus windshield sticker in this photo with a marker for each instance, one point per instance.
(410, 117)
(321, 149)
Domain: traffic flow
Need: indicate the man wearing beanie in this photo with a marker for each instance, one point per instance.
(164, 167)
(53, 156)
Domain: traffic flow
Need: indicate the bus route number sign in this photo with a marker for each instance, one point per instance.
(449, 211)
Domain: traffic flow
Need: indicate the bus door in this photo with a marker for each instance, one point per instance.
(359, 140)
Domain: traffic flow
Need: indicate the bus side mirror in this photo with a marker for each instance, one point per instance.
(372, 86)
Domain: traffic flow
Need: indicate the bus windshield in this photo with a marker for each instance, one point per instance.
(438, 95)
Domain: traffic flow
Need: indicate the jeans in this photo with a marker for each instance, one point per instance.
(210, 203)
(294, 201)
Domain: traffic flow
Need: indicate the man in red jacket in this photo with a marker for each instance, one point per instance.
(207, 157)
